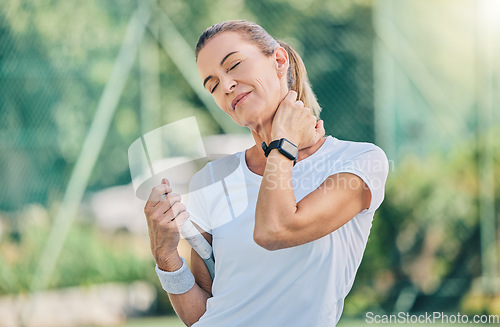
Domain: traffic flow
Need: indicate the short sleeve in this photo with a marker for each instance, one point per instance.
(371, 165)
(377, 173)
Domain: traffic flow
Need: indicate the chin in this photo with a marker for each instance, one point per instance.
(244, 123)
(254, 125)
(253, 116)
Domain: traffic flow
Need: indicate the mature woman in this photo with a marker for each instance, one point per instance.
(288, 246)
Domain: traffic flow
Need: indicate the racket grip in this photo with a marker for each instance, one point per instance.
(210, 263)
(199, 244)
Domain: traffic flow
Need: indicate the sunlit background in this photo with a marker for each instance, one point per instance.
(82, 80)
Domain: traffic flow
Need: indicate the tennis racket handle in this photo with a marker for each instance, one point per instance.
(196, 240)
(210, 263)
(200, 245)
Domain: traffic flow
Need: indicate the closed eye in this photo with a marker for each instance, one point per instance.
(213, 89)
(234, 66)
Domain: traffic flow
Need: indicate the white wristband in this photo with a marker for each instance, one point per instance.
(176, 282)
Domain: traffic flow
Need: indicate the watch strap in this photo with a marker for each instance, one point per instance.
(276, 144)
(273, 145)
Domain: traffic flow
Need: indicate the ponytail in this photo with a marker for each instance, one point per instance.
(298, 80)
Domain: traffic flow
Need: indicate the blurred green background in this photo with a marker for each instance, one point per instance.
(81, 80)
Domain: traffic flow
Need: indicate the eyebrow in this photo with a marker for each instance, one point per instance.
(221, 63)
(227, 56)
(207, 79)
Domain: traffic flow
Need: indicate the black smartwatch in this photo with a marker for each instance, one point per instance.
(285, 147)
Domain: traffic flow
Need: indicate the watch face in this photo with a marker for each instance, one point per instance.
(290, 148)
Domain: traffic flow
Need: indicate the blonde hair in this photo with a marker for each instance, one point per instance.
(296, 76)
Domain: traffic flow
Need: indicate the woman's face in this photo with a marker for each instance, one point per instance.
(244, 82)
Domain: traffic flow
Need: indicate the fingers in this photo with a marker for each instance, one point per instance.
(175, 209)
(163, 205)
(165, 215)
(172, 201)
(181, 218)
(291, 99)
(169, 218)
(320, 129)
(157, 193)
(291, 96)
(168, 210)
(164, 218)
(296, 122)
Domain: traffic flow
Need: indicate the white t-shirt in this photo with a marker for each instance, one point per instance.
(303, 285)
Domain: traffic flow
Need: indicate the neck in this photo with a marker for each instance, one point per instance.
(255, 158)
(262, 134)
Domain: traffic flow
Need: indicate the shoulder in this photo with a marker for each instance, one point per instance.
(351, 149)
(346, 152)
(366, 160)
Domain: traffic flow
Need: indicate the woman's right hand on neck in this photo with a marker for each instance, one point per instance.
(296, 123)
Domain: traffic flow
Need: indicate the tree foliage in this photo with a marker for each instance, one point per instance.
(56, 58)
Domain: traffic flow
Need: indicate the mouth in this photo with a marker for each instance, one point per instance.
(240, 98)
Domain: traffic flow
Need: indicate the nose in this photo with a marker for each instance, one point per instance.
(229, 86)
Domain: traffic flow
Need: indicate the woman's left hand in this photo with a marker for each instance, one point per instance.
(296, 123)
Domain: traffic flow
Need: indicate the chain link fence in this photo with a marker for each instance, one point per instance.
(56, 60)
(416, 77)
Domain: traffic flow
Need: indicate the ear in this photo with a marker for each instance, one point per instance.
(282, 63)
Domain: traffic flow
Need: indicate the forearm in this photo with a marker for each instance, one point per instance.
(276, 205)
(190, 305)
